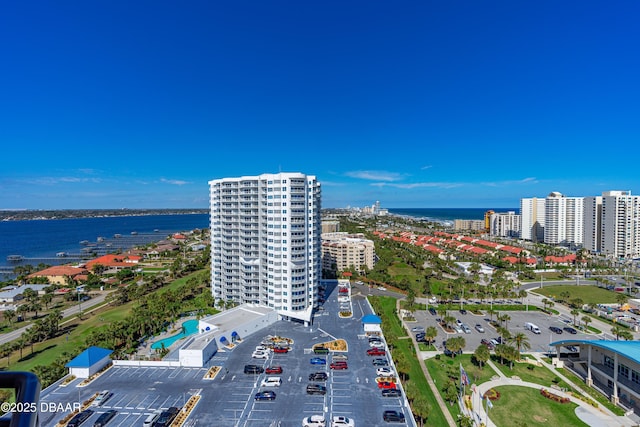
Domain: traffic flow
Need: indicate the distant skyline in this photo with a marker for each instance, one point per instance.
(419, 104)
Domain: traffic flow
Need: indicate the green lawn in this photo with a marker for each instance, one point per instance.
(529, 373)
(523, 406)
(47, 352)
(588, 294)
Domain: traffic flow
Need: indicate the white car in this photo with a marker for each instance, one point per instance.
(102, 397)
(384, 372)
(262, 348)
(271, 382)
(342, 422)
(260, 355)
(376, 344)
(314, 421)
(417, 329)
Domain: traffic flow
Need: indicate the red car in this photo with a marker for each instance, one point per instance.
(280, 350)
(273, 370)
(386, 385)
(376, 352)
(339, 365)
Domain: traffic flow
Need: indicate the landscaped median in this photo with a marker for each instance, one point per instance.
(419, 394)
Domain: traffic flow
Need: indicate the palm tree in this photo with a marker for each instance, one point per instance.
(521, 340)
(431, 333)
(482, 355)
(9, 316)
(586, 320)
(574, 313)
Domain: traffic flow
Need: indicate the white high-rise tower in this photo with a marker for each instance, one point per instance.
(620, 226)
(265, 241)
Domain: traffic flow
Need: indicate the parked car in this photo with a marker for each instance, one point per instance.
(260, 355)
(379, 362)
(432, 311)
(78, 419)
(318, 376)
(265, 395)
(487, 343)
(386, 384)
(463, 311)
(391, 392)
(316, 389)
(280, 350)
(253, 369)
(570, 330)
(384, 372)
(339, 421)
(166, 417)
(393, 417)
(376, 352)
(273, 370)
(271, 382)
(314, 421)
(337, 366)
(465, 328)
(321, 350)
(102, 397)
(417, 329)
(376, 344)
(479, 328)
(104, 418)
(572, 348)
(317, 361)
(555, 329)
(340, 357)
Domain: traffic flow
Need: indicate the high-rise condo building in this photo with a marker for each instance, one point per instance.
(592, 240)
(563, 220)
(265, 242)
(533, 216)
(620, 225)
(505, 224)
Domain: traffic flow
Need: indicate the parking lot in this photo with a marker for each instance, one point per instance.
(228, 400)
(539, 342)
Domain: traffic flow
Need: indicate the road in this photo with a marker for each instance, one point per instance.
(68, 313)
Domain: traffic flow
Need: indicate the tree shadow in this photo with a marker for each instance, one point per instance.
(36, 353)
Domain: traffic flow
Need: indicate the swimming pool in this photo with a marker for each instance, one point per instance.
(190, 327)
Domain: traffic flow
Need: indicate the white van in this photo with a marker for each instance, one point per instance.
(531, 327)
(152, 418)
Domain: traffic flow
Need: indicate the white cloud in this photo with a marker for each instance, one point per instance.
(529, 180)
(375, 175)
(174, 181)
(409, 186)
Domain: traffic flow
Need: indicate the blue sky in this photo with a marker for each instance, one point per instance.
(112, 104)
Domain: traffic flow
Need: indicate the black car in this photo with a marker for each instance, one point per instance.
(316, 389)
(104, 418)
(393, 417)
(570, 330)
(318, 376)
(78, 419)
(555, 329)
(391, 392)
(380, 362)
(253, 369)
(463, 311)
(432, 311)
(166, 417)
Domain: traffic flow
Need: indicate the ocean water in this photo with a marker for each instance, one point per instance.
(40, 241)
(447, 215)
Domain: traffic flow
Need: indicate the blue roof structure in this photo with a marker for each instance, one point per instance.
(89, 357)
(371, 318)
(628, 349)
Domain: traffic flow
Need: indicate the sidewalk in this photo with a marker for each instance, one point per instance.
(594, 417)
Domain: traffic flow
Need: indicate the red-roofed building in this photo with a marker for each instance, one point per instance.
(58, 274)
(117, 261)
